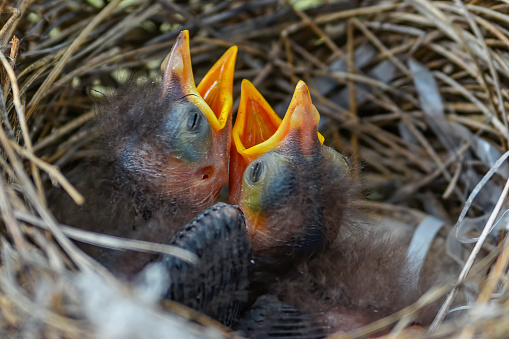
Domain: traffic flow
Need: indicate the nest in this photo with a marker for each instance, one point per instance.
(414, 92)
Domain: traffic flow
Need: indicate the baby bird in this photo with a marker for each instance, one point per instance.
(292, 189)
(164, 152)
(320, 271)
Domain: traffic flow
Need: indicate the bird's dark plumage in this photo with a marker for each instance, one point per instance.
(217, 284)
(269, 317)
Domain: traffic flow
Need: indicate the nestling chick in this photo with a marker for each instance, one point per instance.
(164, 158)
(326, 272)
(292, 189)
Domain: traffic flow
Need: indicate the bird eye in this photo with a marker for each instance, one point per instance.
(346, 161)
(194, 121)
(256, 172)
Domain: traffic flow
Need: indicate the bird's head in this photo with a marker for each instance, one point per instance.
(171, 141)
(291, 188)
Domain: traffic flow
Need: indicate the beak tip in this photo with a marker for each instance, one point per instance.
(303, 114)
(178, 62)
(182, 43)
(246, 88)
(230, 58)
(301, 85)
(234, 49)
(302, 94)
(183, 35)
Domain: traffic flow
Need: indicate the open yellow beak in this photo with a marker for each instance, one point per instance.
(258, 130)
(214, 94)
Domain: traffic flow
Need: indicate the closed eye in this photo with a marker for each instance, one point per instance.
(346, 161)
(194, 121)
(256, 172)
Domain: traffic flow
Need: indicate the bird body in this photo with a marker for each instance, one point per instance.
(317, 267)
(164, 151)
(217, 284)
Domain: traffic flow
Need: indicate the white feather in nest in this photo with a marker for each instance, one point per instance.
(116, 314)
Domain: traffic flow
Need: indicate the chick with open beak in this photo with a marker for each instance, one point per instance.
(163, 157)
(177, 140)
(318, 270)
(292, 189)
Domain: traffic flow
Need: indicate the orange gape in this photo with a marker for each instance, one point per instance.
(256, 122)
(258, 130)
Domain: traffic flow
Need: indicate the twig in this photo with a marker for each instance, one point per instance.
(473, 255)
(110, 241)
(68, 53)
